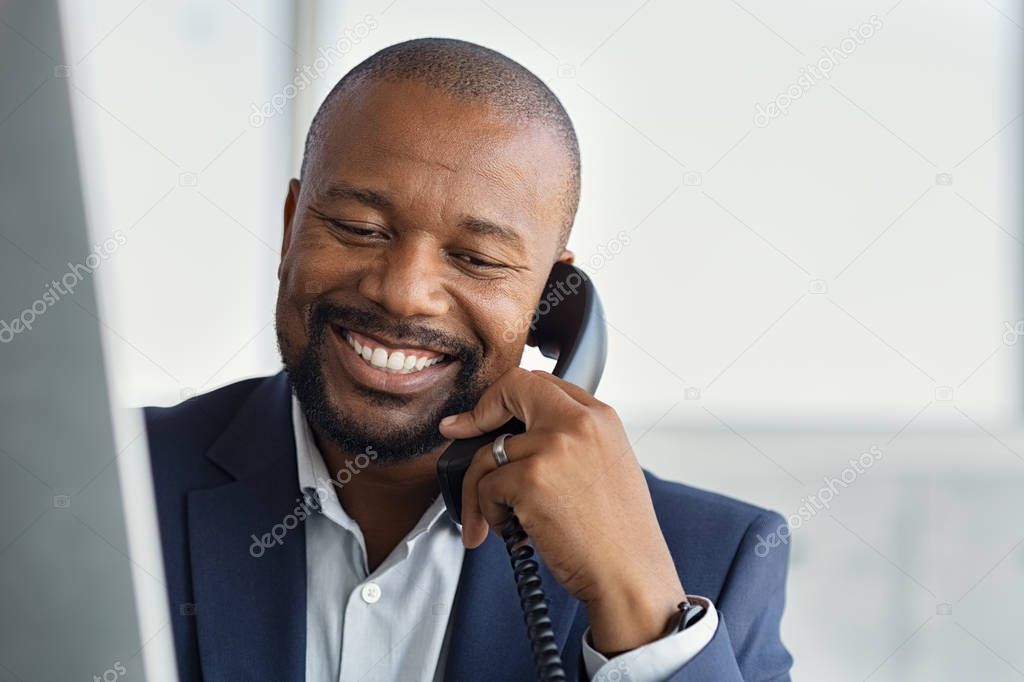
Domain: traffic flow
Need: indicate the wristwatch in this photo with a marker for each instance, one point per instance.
(688, 615)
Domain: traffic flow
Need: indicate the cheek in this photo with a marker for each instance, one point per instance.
(307, 273)
(310, 268)
(315, 266)
(504, 323)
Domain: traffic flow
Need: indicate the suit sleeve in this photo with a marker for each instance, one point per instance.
(657, 660)
(747, 646)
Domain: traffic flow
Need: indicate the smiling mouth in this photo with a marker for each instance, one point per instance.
(392, 360)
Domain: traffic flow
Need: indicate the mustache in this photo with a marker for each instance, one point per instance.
(325, 313)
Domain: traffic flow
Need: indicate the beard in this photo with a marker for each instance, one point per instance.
(392, 442)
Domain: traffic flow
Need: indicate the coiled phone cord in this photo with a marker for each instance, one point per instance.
(534, 604)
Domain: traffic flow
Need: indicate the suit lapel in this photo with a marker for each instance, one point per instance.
(489, 639)
(250, 589)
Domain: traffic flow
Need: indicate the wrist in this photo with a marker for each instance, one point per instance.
(624, 618)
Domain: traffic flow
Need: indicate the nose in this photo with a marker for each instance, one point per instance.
(406, 280)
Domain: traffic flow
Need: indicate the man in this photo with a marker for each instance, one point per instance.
(303, 530)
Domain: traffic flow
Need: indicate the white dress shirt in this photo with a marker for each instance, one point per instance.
(394, 623)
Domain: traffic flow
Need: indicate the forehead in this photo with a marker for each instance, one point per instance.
(449, 155)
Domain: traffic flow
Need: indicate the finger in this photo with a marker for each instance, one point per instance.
(498, 491)
(515, 488)
(580, 395)
(475, 519)
(517, 393)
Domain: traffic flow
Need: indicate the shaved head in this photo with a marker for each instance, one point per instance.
(471, 73)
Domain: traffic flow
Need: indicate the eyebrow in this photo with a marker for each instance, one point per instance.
(487, 228)
(361, 194)
(380, 200)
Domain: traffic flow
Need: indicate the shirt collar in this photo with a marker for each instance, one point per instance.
(320, 490)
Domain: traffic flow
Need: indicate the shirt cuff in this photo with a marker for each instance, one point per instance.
(658, 660)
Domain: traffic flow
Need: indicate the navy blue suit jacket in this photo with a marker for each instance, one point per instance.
(224, 469)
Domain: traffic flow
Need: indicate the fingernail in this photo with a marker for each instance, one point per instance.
(449, 420)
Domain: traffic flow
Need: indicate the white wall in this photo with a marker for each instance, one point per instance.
(162, 94)
(732, 226)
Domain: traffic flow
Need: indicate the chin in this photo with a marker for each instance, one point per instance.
(356, 406)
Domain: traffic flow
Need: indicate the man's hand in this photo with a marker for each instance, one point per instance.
(575, 484)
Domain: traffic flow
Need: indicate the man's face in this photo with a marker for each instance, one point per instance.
(422, 235)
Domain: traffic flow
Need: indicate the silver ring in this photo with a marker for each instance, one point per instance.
(498, 450)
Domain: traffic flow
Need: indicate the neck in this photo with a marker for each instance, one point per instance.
(386, 501)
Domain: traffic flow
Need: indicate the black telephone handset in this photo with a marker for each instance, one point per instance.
(569, 326)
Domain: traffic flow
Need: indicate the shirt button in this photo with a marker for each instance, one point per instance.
(370, 593)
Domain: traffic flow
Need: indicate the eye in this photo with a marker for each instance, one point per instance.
(361, 231)
(475, 262)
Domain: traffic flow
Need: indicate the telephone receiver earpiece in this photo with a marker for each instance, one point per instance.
(568, 326)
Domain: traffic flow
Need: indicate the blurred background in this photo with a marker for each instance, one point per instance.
(804, 219)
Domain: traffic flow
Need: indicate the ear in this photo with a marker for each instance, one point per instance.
(290, 202)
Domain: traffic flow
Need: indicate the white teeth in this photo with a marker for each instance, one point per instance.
(397, 362)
